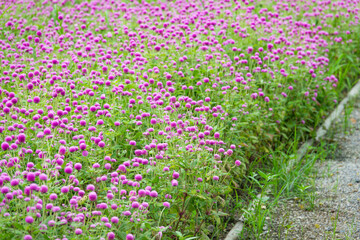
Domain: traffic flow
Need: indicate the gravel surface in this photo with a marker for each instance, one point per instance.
(335, 213)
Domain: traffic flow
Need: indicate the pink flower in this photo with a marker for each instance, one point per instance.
(153, 194)
(62, 150)
(53, 196)
(21, 137)
(68, 170)
(29, 219)
(92, 196)
(5, 146)
(175, 175)
(138, 177)
(78, 166)
(114, 220)
(130, 237)
(30, 177)
(174, 183)
(111, 236)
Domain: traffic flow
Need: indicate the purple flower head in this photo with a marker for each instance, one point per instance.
(60, 161)
(64, 189)
(49, 206)
(114, 220)
(43, 189)
(5, 146)
(53, 196)
(43, 177)
(111, 236)
(176, 175)
(36, 99)
(30, 177)
(135, 205)
(166, 204)
(14, 182)
(107, 166)
(130, 237)
(90, 187)
(174, 183)
(51, 223)
(21, 137)
(5, 190)
(68, 170)
(62, 150)
(78, 166)
(47, 131)
(82, 146)
(153, 194)
(92, 196)
(29, 219)
(138, 177)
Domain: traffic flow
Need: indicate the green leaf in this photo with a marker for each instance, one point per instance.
(18, 226)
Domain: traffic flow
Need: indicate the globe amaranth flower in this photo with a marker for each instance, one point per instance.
(29, 219)
(174, 183)
(68, 170)
(53, 196)
(62, 150)
(21, 138)
(138, 177)
(114, 220)
(153, 194)
(92, 196)
(30, 177)
(43, 189)
(111, 236)
(90, 187)
(78, 166)
(130, 237)
(5, 146)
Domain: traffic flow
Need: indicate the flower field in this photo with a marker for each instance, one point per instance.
(137, 120)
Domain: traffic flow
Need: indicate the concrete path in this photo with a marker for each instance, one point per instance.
(336, 207)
